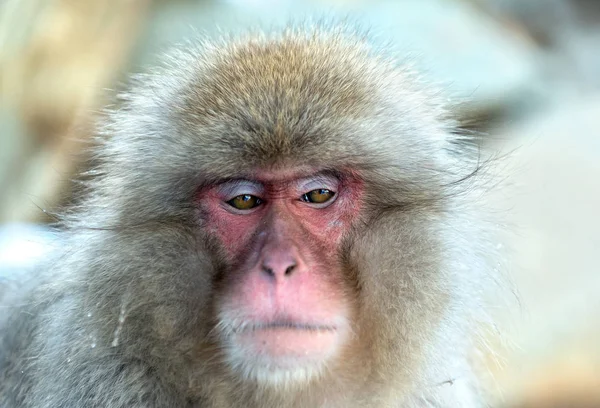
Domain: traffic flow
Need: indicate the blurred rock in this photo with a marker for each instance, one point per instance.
(56, 59)
(569, 33)
(553, 201)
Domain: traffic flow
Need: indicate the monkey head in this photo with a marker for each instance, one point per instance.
(298, 198)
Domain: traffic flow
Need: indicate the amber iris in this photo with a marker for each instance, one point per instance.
(318, 196)
(244, 202)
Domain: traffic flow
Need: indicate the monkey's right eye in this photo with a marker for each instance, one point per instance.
(244, 202)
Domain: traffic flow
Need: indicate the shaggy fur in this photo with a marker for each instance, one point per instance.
(124, 315)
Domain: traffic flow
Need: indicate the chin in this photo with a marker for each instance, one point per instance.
(283, 353)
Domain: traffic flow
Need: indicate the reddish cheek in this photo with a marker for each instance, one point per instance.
(329, 225)
(232, 230)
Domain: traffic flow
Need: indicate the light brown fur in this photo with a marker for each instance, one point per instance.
(123, 316)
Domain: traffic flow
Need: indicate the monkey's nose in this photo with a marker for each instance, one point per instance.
(279, 269)
(279, 265)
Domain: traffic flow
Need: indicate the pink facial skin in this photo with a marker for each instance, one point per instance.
(285, 304)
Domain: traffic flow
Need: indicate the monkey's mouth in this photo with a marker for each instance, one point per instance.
(287, 342)
(284, 325)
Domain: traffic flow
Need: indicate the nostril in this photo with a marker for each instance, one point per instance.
(268, 270)
(282, 270)
(290, 269)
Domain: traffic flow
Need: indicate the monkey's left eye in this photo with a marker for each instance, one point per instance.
(319, 196)
(244, 202)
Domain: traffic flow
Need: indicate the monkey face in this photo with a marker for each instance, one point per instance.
(306, 214)
(283, 312)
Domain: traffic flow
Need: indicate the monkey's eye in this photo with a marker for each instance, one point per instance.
(244, 202)
(318, 196)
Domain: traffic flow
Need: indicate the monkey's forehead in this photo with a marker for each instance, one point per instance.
(280, 79)
(290, 94)
(322, 98)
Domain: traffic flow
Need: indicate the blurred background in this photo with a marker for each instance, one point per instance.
(525, 73)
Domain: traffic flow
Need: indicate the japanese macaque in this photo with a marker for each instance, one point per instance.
(278, 220)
